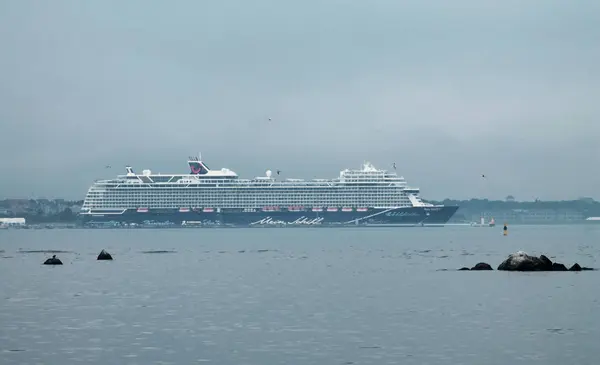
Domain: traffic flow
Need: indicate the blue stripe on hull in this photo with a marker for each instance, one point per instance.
(399, 216)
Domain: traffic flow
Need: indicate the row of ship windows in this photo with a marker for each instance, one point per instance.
(236, 193)
(383, 189)
(235, 204)
(173, 206)
(222, 192)
(261, 197)
(246, 188)
(239, 196)
(347, 176)
(247, 198)
(267, 201)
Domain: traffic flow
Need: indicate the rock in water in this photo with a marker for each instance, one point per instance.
(558, 267)
(521, 261)
(53, 261)
(482, 266)
(546, 261)
(104, 255)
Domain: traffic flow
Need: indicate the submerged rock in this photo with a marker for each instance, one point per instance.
(53, 261)
(104, 255)
(482, 266)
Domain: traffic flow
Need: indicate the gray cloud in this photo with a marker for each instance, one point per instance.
(447, 90)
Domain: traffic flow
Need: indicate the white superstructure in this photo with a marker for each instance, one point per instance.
(367, 187)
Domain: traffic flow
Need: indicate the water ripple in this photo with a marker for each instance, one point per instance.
(296, 296)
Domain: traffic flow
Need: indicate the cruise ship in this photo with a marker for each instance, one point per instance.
(203, 197)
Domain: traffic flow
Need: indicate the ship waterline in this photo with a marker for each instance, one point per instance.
(205, 197)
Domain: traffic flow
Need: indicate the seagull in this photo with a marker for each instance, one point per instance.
(394, 164)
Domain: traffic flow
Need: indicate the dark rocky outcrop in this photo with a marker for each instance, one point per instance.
(576, 267)
(53, 261)
(558, 267)
(479, 266)
(104, 255)
(546, 261)
(521, 261)
(482, 266)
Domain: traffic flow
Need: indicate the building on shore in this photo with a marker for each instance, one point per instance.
(9, 222)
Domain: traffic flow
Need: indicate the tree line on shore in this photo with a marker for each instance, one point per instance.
(585, 205)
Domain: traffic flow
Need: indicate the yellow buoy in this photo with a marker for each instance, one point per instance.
(505, 229)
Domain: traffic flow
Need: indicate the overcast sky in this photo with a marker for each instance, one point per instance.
(448, 90)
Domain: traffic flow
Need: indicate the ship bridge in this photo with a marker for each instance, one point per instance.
(200, 169)
(369, 174)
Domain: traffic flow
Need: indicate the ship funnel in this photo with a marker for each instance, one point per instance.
(197, 167)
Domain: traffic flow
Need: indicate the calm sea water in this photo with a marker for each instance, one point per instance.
(297, 296)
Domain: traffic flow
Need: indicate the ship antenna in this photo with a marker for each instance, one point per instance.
(199, 156)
